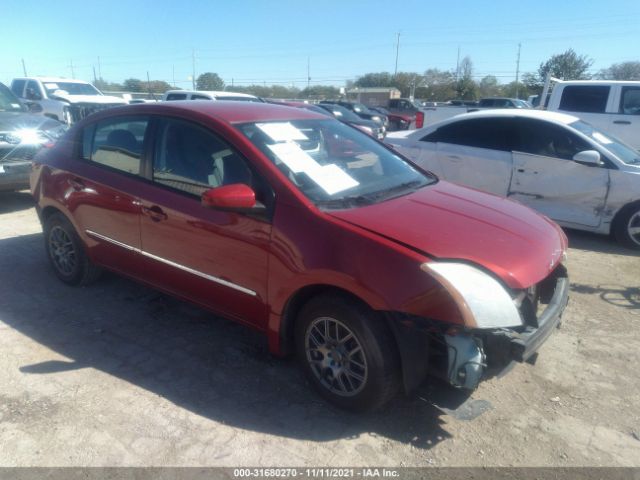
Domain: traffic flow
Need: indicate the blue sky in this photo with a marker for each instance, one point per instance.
(251, 41)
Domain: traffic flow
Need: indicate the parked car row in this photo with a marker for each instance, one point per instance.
(358, 257)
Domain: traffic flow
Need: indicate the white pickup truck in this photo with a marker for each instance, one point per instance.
(63, 99)
(610, 106)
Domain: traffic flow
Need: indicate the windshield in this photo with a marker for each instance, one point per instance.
(72, 88)
(8, 101)
(334, 165)
(624, 152)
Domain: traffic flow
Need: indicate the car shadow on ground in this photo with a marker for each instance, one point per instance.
(594, 242)
(617, 295)
(210, 366)
(15, 201)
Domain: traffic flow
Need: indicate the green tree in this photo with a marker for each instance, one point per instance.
(466, 87)
(133, 85)
(373, 80)
(621, 71)
(566, 66)
(437, 86)
(515, 90)
(105, 86)
(489, 87)
(209, 81)
(320, 92)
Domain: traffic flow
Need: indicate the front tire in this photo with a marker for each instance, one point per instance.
(627, 226)
(66, 252)
(347, 353)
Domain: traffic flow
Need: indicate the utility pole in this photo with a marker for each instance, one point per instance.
(458, 64)
(395, 72)
(308, 72)
(518, 70)
(149, 85)
(173, 75)
(94, 74)
(73, 74)
(24, 68)
(99, 68)
(193, 68)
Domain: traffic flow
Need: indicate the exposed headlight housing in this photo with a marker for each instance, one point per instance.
(29, 136)
(483, 301)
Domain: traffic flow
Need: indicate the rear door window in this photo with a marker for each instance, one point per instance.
(177, 96)
(630, 101)
(490, 133)
(585, 98)
(116, 143)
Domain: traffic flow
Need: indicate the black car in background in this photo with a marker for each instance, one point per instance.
(22, 134)
(359, 109)
(347, 116)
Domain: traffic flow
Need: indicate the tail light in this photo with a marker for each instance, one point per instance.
(419, 119)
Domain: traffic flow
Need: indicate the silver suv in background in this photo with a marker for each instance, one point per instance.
(63, 99)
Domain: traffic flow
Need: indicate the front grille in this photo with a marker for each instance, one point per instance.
(78, 111)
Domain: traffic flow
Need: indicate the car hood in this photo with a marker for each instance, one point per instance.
(97, 99)
(447, 221)
(10, 121)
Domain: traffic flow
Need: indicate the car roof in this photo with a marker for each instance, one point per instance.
(554, 117)
(215, 93)
(598, 82)
(225, 111)
(52, 79)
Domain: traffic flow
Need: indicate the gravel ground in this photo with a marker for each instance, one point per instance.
(119, 374)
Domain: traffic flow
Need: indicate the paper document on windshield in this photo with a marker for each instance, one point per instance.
(281, 131)
(331, 178)
(294, 157)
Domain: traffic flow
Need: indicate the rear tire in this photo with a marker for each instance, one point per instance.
(347, 352)
(627, 226)
(66, 252)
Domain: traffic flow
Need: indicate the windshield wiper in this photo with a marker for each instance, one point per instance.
(400, 188)
(342, 202)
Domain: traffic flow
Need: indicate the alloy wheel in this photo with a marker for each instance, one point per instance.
(336, 356)
(633, 227)
(62, 251)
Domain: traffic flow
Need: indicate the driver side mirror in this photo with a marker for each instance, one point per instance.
(233, 197)
(588, 157)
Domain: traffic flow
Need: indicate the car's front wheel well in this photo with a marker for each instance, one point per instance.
(298, 300)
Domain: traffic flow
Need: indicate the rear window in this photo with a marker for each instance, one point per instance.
(585, 98)
(116, 143)
(630, 101)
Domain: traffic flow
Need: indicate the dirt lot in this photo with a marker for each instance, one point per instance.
(118, 374)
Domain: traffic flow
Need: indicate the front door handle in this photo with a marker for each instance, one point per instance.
(155, 213)
(622, 122)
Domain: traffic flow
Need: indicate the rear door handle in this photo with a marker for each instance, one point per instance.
(622, 122)
(76, 184)
(155, 213)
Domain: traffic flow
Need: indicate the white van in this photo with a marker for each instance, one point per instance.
(610, 106)
(208, 95)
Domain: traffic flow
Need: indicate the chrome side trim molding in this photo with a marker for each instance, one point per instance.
(184, 268)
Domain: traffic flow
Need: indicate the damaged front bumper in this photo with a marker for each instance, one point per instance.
(465, 357)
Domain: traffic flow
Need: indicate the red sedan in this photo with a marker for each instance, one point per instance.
(370, 269)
